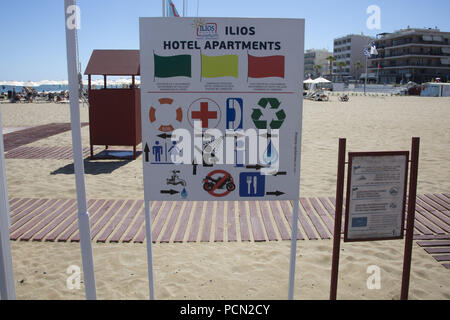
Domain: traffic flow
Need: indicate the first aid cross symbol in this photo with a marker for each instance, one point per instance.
(204, 114)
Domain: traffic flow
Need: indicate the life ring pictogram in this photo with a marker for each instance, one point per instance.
(165, 127)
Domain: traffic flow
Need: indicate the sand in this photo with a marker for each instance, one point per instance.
(239, 270)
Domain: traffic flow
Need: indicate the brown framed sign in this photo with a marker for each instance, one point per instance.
(376, 196)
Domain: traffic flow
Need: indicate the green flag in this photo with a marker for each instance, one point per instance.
(172, 66)
(220, 66)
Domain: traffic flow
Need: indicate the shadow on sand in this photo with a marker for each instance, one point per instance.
(93, 167)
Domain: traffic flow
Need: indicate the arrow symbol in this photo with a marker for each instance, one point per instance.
(171, 192)
(146, 151)
(276, 193)
(165, 136)
(280, 173)
(256, 167)
(194, 168)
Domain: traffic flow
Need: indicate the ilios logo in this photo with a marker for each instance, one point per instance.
(206, 29)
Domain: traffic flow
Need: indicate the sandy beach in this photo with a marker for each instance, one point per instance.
(241, 270)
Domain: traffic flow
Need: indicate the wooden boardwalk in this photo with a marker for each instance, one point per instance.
(245, 221)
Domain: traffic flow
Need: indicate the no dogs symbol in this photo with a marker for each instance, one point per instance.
(219, 183)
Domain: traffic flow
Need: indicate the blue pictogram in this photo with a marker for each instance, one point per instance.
(252, 184)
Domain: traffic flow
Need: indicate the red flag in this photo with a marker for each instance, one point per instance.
(264, 67)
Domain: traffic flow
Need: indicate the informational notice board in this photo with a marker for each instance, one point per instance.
(221, 108)
(376, 196)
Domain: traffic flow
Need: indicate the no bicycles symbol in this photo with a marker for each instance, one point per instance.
(219, 180)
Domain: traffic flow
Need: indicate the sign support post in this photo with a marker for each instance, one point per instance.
(338, 218)
(293, 250)
(148, 230)
(410, 218)
(83, 215)
(7, 289)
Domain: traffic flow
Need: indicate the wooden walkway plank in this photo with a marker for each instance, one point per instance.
(315, 220)
(420, 229)
(25, 215)
(162, 219)
(279, 220)
(179, 236)
(19, 209)
(172, 221)
(231, 222)
(287, 211)
(17, 205)
(126, 222)
(445, 228)
(195, 224)
(443, 199)
(28, 222)
(442, 258)
(265, 214)
(329, 223)
(69, 223)
(94, 218)
(442, 220)
(140, 236)
(434, 202)
(433, 243)
(305, 223)
(65, 211)
(245, 234)
(107, 218)
(115, 222)
(258, 233)
(446, 265)
(426, 222)
(12, 201)
(432, 237)
(206, 233)
(219, 231)
(437, 250)
(53, 213)
(332, 211)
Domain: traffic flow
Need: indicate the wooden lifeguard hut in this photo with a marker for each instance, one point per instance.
(114, 113)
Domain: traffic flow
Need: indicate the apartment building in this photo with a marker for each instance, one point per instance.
(318, 57)
(350, 50)
(418, 55)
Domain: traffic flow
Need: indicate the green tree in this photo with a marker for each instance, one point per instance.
(317, 69)
(340, 65)
(331, 60)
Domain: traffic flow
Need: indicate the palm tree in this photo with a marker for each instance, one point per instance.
(358, 66)
(340, 65)
(331, 59)
(317, 68)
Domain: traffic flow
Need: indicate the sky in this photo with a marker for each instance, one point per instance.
(33, 34)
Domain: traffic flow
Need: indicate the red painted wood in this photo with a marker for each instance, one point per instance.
(444, 257)
(258, 232)
(126, 222)
(306, 224)
(206, 233)
(139, 236)
(15, 212)
(436, 243)
(431, 237)
(279, 220)
(218, 234)
(444, 228)
(115, 222)
(322, 214)
(265, 214)
(437, 250)
(287, 211)
(15, 221)
(28, 222)
(106, 218)
(94, 218)
(179, 236)
(433, 201)
(162, 218)
(436, 216)
(173, 220)
(231, 222)
(70, 225)
(13, 209)
(69, 208)
(195, 225)
(50, 217)
(315, 220)
(426, 222)
(245, 234)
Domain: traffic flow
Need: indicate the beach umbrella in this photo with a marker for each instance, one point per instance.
(309, 80)
(321, 80)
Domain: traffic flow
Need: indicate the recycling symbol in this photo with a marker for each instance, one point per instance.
(258, 114)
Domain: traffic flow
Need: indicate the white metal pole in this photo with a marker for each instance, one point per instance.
(163, 8)
(83, 214)
(7, 290)
(365, 79)
(184, 8)
(293, 250)
(148, 230)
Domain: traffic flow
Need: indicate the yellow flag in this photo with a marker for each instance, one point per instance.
(220, 66)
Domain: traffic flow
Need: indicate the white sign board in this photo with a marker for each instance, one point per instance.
(221, 108)
(376, 196)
